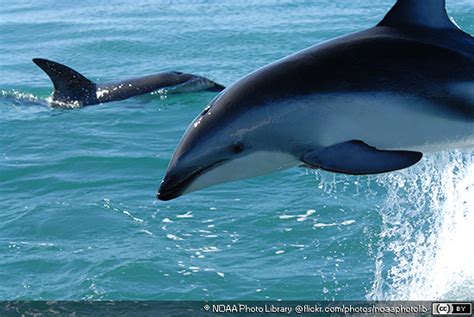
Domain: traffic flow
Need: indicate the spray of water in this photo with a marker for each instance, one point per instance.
(18, 98)
(426, 239)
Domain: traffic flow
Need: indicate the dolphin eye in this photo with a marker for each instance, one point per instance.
(237, 147)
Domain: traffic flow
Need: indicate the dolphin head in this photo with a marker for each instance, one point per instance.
(192, 83)
(209, 85)
(222, 145)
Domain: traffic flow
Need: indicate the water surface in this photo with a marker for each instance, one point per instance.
(78, 214)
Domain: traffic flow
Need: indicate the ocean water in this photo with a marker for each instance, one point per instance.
(78, 214)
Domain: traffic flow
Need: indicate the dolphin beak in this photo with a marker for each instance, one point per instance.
(167, 191)
(175, 183)
(177, 180)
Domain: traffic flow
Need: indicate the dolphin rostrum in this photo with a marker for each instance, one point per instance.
(72, 90)
(366, 103)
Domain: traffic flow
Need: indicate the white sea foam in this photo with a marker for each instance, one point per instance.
(189, 214)
(20, 99)
(173, 237)
(425, 250)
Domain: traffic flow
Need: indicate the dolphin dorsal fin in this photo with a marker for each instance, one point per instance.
(421, 13)
(69, 85)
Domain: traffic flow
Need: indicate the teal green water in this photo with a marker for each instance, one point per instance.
(78, 214)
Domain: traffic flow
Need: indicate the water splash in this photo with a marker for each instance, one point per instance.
(64, 105)
(425, 247)
(18, 98)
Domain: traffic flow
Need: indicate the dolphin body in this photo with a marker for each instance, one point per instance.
(366, 103)
(73, 90)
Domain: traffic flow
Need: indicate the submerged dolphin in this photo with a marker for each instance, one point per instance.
(72, 89)
(366, 103)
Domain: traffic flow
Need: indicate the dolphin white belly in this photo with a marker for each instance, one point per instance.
(386, 121)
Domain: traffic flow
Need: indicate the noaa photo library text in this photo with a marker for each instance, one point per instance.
(314, 309)
(244, 308)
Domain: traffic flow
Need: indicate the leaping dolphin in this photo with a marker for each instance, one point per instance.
(72, 90)
(366, 103)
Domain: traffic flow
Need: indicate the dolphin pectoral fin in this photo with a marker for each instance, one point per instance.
(358, 158)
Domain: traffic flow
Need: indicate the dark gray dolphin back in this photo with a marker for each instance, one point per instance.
(69, 85)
